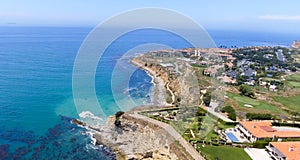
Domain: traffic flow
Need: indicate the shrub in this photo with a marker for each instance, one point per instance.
(119, 114)
(260, 144)
(230, 111)
(259, 116)
(201, 112)
(246, 90)
(207, 98)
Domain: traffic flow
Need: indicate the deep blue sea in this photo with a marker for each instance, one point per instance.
(36, 100)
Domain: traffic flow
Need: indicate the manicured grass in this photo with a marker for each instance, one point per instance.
(257, 104)
(270, 79)
(225, 126)
(293, 81)
(293, 84)
(224, 153)
(292, 103)
(293, 77)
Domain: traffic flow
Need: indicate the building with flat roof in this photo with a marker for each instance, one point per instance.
(260, 130)
(284, 150)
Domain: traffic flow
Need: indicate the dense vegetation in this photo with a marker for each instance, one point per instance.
(246, 90)
(261, 143)
(259, 116)
(257, 56)
(207, 98)
(230, 111)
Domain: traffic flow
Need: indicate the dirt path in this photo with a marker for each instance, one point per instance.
(171, 92)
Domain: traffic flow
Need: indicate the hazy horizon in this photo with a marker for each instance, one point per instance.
(255, 15)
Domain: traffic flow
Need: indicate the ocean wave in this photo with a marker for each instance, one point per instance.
(91, 119)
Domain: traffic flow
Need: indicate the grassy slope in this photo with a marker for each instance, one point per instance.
(224, 153)
(292, 103)
(293, 84)
(293, 80)
(258, 105)
(293, 77)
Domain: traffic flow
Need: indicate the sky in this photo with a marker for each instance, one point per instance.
(264, 15)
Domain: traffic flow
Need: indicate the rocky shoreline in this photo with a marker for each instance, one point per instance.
(138, 139)
(158, 98)
(132, 137)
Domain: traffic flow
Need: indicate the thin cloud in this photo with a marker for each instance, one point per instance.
(279, 17)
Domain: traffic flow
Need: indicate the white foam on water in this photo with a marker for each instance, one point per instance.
(91, 120)
(88, 114)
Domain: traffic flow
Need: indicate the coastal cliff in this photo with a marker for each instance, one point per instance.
(136, 139)
(296, 45)
(178, 77)
(168, 85)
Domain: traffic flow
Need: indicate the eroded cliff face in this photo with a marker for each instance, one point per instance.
(138, 139)
(171, 81)
(179, 78)
(296, 45)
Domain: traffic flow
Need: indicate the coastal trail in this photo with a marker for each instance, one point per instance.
(172, 132)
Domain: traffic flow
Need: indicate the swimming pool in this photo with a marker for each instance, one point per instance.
(232, 137)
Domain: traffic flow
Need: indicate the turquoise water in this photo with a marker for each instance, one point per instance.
(36, 86)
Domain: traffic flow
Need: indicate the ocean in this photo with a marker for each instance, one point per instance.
(36, 99)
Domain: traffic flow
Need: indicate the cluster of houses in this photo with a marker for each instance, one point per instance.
(245, 131)
(230, 76)
(267, 84)
(274, 69)
(277, 149)
(246, 71)
(224, 53)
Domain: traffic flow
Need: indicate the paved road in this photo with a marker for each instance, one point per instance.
(211, 109)
(189, 148)
(257, 154)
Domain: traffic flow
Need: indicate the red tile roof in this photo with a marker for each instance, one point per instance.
(263, 129)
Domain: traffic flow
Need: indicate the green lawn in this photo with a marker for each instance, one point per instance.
(292, 103)
(270, 79)
(293, 81)
(225, 126)
(224, 153)
(293, 84)
(257, 104)
(293, 77)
